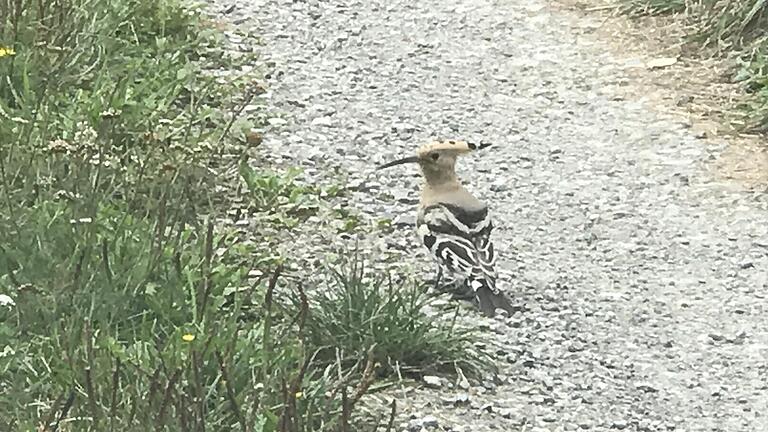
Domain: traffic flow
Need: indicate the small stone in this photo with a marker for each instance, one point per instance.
(277, 121)
(716, 337)
(405, 220)
(404, 198)
(683, 100)
(322, 121)
(367, 186)
(487, 408)
(432, 381)
(403, 127)
(646, 387)
(462, 399)
(499, 186)
(619, 424)
(429, 422)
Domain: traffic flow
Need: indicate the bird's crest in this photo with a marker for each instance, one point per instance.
(459, 146)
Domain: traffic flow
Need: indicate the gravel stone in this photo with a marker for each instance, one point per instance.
(637, 265)
(432, 381)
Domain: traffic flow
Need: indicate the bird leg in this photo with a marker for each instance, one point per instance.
(437, 279)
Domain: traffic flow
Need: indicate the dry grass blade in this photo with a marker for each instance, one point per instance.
(367, 378)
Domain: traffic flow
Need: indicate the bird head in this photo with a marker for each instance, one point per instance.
(437, 156)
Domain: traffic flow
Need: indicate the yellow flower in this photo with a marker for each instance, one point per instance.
(6, 51)
(188, 337)
(299, 395)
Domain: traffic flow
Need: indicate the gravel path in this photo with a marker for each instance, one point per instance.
(645, 277)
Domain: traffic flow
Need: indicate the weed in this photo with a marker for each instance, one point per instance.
(270, 191)
(357, 311)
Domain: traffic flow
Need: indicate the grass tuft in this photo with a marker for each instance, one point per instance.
(359, 310)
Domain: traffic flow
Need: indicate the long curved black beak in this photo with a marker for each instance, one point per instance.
(412, 159)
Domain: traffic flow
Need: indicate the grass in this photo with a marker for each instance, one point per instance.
(368, 314)
(131, 307)
(733, 28)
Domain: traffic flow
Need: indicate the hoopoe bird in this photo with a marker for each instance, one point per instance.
(455, 226)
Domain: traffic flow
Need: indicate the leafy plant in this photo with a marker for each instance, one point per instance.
(270, 191)
(356, 311)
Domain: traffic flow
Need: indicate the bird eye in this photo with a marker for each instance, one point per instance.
(435, 156)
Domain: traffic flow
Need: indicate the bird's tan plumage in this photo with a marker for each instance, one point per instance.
(454, 225)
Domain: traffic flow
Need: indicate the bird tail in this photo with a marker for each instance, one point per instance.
(490, 299)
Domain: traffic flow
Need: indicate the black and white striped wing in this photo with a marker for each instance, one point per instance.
(486, 254)
(460, 242)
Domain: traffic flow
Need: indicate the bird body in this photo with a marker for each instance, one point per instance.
(455, 226)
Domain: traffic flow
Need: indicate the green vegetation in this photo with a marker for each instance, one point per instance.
(133, 308)
(369, 312)
(730, 27)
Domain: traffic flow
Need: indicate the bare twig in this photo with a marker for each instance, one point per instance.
(284, 424)
(113, 402)
(303, 311)
(105, 258)
(347, 404)
(78, 268)
(368, 374)
(198, 385)
(166, 399)
(392, 413)
(257, 89)
(65, 410)
(89, 378)
(231, 392)
(177, 249)
(206, 270)
(266, 347)
(345, 410)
